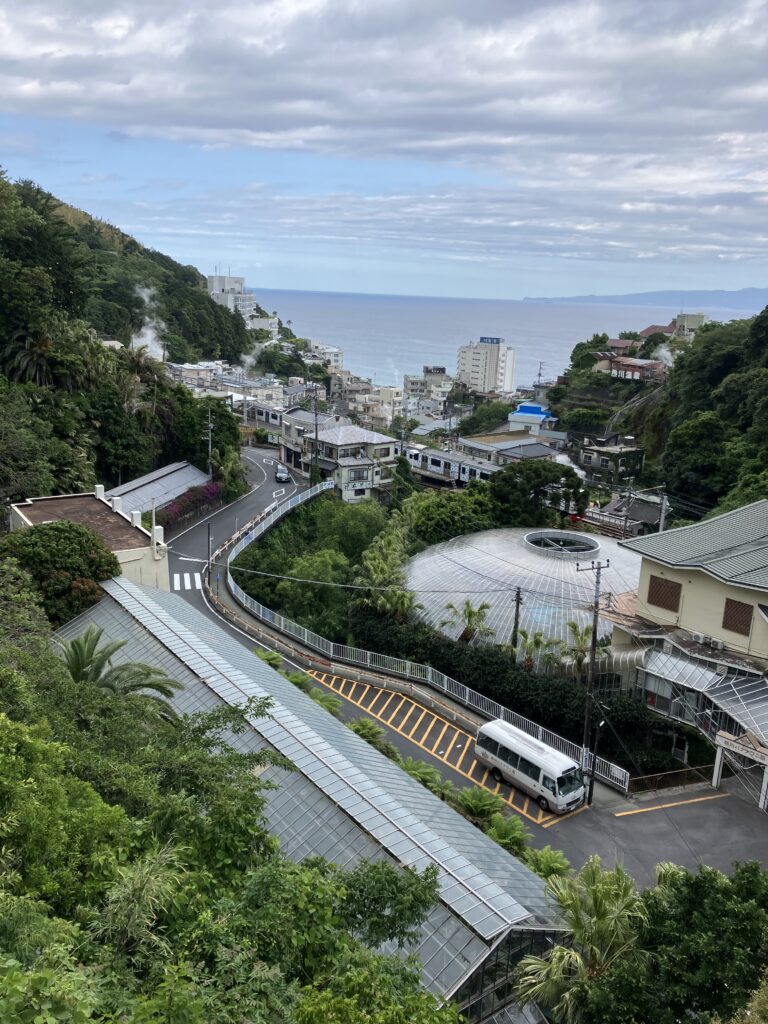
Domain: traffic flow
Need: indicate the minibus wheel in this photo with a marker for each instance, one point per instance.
(498, 777)
(543, 803)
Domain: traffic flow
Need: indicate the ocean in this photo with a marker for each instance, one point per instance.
(386, 336)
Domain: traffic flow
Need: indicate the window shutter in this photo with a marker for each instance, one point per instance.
(737, 617)
(664, 593)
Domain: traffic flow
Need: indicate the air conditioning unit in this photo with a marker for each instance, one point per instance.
(667, 647)
(718, 645)
(699, 638)
(722, 670)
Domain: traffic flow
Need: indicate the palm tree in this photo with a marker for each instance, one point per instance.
(531, 647)
(87, 664)
(578, 647)
(141, 364)
(509, 832)
(229, 470)
(471, 619)
(28, 358)
(479, 805)
(329, 701)
(605, 915)
(445, 790)
(547, 862)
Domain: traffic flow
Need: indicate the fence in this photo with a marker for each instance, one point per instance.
(609, 773)
(670, 780)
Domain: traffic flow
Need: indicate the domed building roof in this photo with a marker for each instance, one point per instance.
(487, 568)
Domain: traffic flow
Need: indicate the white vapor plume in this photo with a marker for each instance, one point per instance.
(152, 329)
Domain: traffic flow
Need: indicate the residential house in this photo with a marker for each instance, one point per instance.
(329, 355)
(630, 368)
(296, 423)
(143, 556)
(611, 464)
(378, 407)
(360, 462)
(345, 388)
(701, 615)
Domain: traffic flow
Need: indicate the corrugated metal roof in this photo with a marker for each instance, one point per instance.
(159, 487)
(732, 547)
(486, 889)
(350, 434)
(743, 697)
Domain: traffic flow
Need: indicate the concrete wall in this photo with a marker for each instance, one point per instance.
(702, 603)
(141, 566)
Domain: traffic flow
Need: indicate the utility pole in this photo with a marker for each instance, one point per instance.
(597, 568)
(209, 435)
(316, 452)
(210, 556)
(516, 627)
(663, 511)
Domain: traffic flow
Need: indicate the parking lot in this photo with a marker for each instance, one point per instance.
(691, 826)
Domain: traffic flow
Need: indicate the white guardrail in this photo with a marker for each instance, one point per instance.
(607, 772)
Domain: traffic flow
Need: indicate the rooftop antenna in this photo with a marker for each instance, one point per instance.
(541, 367)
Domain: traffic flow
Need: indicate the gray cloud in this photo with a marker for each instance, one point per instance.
(622, 129)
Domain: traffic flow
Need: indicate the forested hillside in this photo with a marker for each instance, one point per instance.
(73, 411)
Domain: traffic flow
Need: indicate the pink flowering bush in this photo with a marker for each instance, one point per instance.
(195, 500)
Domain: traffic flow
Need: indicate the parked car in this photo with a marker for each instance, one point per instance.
(282, 476)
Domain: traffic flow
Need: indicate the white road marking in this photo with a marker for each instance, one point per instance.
(183, 558)
(198, 582)
(268, 462)
(187, 581)
(176, 581)
(276, 494)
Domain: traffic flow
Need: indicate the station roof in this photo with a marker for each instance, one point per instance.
(345, 801)
(732, 547)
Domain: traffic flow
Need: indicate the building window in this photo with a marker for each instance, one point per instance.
(604, 463)
(358, 474)
(360, 492)
(737, 617)
(664, 593)
(381, 453)
(587, 459)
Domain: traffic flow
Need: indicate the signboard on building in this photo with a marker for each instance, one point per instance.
(758, 754)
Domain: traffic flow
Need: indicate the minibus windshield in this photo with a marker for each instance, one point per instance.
(570, 782)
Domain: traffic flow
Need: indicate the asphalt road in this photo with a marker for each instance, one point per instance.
(689, 827)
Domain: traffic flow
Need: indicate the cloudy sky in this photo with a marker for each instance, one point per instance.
(494, 148)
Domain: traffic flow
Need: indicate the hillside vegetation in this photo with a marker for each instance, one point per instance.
(75, 412)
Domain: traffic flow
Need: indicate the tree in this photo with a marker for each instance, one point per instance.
(547, 862)
(229, 471)
(484, 418)
(530, 647)
(756, 1010)
(605, 915)
(578, 647)
(367, 730)
(536, 492)
(66, 561)
(383, 903)
(424, 773)
(86, 664)
(471, 619)
(696, 462)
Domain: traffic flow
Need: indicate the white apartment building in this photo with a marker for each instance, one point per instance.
(328, 355)
(487, 366)
(378, 407)
(230, 292)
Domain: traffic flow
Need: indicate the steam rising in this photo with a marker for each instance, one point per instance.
(152, 330)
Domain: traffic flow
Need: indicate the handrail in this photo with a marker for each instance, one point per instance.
(606, 771)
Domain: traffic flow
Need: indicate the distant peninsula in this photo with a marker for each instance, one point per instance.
(751, 300)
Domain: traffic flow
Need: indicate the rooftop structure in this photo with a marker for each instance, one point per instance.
(350, 434)
(489, 566)
(487, 366)
(153, 490)
(345, 801)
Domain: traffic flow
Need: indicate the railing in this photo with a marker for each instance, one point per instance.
(671, 779)
(609, 773)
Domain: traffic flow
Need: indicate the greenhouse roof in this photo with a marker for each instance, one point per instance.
(488, 567)
(345, 801)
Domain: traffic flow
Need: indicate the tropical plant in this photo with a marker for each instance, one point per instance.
(445, 790)
(28, 359)
(87, 664)
(547, 862)
(509, 832)
(299, 679)
(605, 915)
(272, 658)
(531, 647)
(424, 773)
(329, 701)
(479, 805)
(367, 730)
(578, 646)
(471, 619)
(229, 471)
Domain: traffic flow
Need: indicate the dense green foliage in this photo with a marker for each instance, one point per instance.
(692, 947)
(485, 417)
(139, 882)
(66, 561)
(75, 412)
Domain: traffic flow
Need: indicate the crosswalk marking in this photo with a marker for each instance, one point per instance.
(187, 581)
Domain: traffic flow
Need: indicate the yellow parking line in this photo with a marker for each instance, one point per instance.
(418, 721)
(485, 776)
(362, 695)
(439, 738)
(385, 705)
(467, 750)
(555, 819)
(675, 803)
(388, 720)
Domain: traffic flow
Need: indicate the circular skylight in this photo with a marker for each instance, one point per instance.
(488, 567)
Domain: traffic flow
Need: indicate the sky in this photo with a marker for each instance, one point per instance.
(489, 148)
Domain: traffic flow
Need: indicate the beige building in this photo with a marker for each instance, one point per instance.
(486, 366)
(142, 557)
(360, 462)
(700, 632)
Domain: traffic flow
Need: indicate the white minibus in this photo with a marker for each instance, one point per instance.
(555, 779)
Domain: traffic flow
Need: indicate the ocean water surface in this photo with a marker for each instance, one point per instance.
(386, 336)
